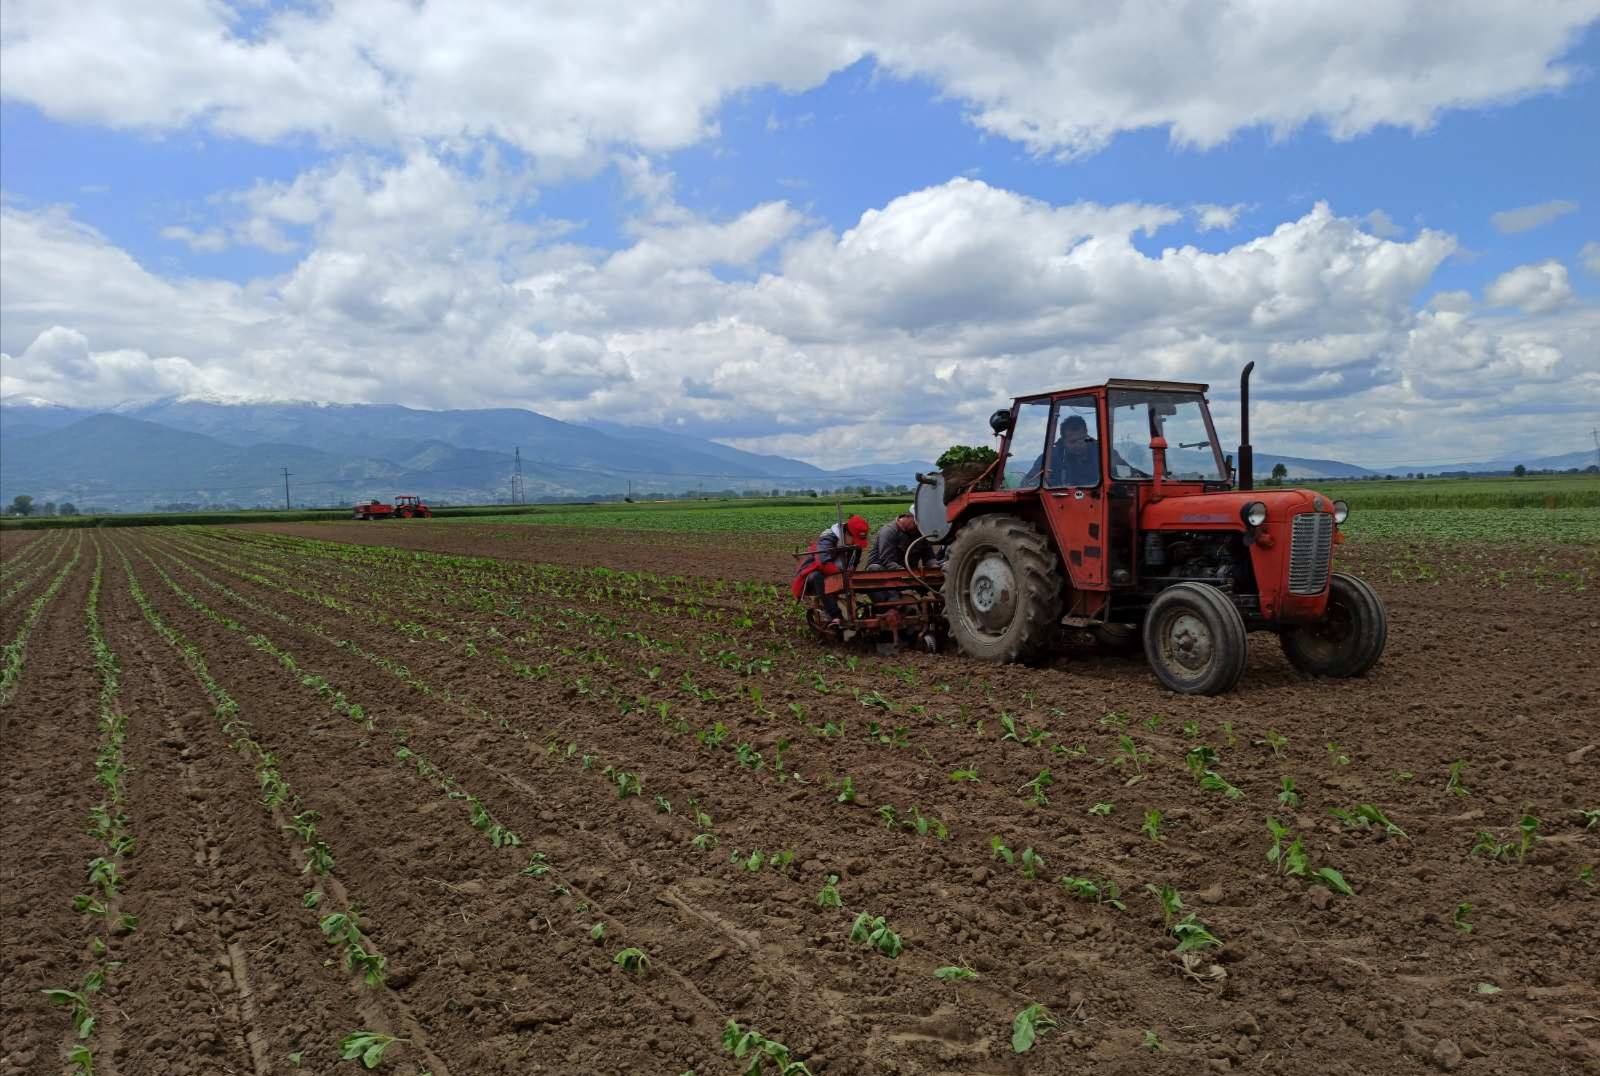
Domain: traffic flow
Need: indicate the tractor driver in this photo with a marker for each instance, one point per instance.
(1074, 458)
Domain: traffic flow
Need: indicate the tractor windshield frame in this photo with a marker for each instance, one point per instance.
(1165, 411)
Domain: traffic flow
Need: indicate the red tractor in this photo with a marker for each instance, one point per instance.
(1113, 508)
(405, 506)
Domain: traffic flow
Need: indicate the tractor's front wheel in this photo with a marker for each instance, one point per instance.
(1350, 637)
(1195, 639)
(1002, 590)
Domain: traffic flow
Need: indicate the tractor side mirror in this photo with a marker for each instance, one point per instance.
(1000, 422)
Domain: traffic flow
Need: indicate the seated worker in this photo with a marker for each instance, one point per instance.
(836, 550)
(1075, 458)
(894, 539)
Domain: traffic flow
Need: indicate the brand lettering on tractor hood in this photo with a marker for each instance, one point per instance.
(1204, 517)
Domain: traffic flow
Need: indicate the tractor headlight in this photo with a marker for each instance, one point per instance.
(1341, 511)
(1254, 514)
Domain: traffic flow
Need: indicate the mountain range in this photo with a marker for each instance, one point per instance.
(196, 450)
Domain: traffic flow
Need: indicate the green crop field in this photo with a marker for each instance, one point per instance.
(1563, 509)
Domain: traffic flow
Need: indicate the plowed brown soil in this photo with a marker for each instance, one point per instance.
(424, 705)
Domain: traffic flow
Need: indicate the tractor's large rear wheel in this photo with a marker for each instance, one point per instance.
(1002, 590)
(1195, 639)
(1349, 638)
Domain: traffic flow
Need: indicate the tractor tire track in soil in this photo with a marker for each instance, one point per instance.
(46, 789)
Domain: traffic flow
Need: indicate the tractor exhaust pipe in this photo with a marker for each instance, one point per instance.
(1247, 476)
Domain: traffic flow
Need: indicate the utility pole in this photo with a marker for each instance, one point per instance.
(286, 474)
(1595, 433)
(519, 492)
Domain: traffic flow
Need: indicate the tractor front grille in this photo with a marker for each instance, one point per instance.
(1310, 550)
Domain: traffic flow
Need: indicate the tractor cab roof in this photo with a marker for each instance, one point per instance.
(1120, 383)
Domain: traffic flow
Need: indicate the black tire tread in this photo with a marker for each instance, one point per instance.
(1233, 641)
(1038, 573)
(1369, 611)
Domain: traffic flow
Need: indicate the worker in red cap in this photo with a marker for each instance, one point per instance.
(836, 550)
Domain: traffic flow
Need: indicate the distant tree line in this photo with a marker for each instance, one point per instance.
(24, 505)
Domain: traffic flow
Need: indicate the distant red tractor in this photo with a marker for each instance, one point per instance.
(1113, 508)
(405, 506)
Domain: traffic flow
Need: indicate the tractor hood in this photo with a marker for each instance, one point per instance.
(1225, 511)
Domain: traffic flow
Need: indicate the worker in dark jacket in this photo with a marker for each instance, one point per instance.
(894, 540)
(837, 549)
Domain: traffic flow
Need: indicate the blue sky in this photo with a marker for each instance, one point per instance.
(675, 230)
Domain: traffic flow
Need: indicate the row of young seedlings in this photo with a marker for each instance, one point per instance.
(109, 824)
(15, 651)
(22, 571)
(1210, 779)
(1199, 761)
(339, 923)
(366, 1045)
(877, 933)
(628, 785)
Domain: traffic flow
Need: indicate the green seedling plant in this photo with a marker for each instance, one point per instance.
(1460, 918)
(1152, 825)
(847, 791)
(1130, 754)
(829, 895)
(1212, 781)
(1193, 935)
(1527, 835)
(1086, 889)
(875, 932)
(1170, 900)
(926, 826)
(1102, 809)
(1334, 881)
(1200, 759)
(749, 1042)
(1287, 794)
(633, 960)
(1365, 814)
(1032, 863)
(1590, 816)
(968, 774)
(1191, 729)
(366, 1046)
(954, 974)
(1275, 850)
(1028, 1025)
(998, 850)
(1274, 740)
(1337, 756)
(83, 1019)
(1035, 788)
(1452, 783)
(1488, 844)
(1152, 1042)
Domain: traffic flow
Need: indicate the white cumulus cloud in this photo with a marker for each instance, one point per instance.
(1536, 288)
(565, 83)
(421, 282)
